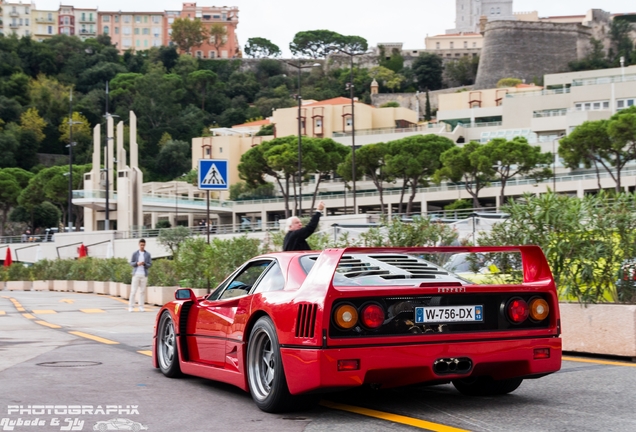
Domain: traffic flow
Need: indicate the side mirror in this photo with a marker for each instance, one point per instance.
(185, 294)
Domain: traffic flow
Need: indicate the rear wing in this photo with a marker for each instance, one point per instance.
(534, 264)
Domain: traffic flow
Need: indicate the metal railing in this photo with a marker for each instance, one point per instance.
(378, 131)
(539, 92)
(603, 80)
(550, 113)
(477, 125)
(154, 198)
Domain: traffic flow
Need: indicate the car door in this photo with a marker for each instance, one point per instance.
(222, 316)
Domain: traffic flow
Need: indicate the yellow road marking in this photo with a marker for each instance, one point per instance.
(44, 323)
(119, 299)
(5, 296)
(95, 338)
(92, 311)
(422, 424)
(43, 311)
(69, 301)
(28, 315)
(604, 362)
(2, 312)
(20, 309)
(147, 353)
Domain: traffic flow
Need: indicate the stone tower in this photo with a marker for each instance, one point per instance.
(468, 13)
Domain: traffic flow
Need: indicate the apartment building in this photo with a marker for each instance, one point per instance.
(133, 30)
(85, 23)
(44, 24)
(225, 19)
(16, 18)
(128, 30)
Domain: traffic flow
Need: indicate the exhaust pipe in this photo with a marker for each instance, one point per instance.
(453, 365)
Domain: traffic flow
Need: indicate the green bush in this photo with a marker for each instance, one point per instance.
(162, 273)
(199, 262)
(585, 240)
(17, 272)
(59, 269)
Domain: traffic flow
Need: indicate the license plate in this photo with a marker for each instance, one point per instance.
(448, 314)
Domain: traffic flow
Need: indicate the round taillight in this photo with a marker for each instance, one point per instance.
(346, 316)
(372, 315)
(539, 309)
(518, 310)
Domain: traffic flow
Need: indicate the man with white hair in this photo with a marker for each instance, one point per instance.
(296, 235)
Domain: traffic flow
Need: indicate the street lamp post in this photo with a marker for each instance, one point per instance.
(299, 67)
(350, 87)
(554, 166)
(353, 137)
(176, 201)
(70, 160)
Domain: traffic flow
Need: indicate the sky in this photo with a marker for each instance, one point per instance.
(406, 21)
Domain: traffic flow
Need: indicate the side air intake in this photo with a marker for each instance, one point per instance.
(305, 322)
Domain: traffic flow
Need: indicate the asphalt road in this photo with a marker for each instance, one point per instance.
(69, 361)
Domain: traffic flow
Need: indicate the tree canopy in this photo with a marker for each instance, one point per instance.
(261, 48)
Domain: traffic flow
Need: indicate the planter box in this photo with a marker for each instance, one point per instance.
(100, 287)
(159, 296)
(42, 285)
(18, 285)
(200, 291)
(124, 290)
(83, 286)
(62, 285)
(113, 288)
(608, 329)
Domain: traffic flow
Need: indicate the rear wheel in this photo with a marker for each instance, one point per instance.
(167, 351)
(265, 374)
(486, 386)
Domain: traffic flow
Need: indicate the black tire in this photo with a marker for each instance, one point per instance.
(265, 374)
(486, 386)
(167, 347)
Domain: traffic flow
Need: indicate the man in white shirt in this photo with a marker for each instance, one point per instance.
(140, 262)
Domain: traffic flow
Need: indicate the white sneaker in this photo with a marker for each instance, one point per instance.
(141, 309)
(130, 309)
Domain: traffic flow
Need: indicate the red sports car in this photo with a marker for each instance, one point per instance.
(288, 325)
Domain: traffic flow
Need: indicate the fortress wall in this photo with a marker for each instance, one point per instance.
(529, 50)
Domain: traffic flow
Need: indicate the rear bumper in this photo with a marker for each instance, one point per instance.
(398, 365)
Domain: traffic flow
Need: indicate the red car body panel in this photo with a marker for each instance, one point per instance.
(217, 332)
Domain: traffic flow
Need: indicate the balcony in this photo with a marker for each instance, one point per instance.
(14, 25)
(44, 20)
(85, 32)
(14, 14)
(88, 20)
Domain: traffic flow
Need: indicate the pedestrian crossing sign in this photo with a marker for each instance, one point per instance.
(213, 174)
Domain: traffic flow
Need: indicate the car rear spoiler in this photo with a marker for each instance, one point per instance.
(535, 266)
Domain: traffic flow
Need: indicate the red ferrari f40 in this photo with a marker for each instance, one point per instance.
(285, 326)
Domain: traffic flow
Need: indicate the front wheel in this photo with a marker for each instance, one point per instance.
(167, 351)
(486, 386)
(265, 374)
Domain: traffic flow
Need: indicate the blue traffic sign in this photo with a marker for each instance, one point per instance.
(213, 174)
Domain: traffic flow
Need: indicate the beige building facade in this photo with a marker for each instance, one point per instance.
(45, 24)
(16, 18)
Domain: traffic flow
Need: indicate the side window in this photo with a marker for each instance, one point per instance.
(242, 282)
(272, 281)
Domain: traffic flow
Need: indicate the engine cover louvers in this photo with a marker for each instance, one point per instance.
(306, 320)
